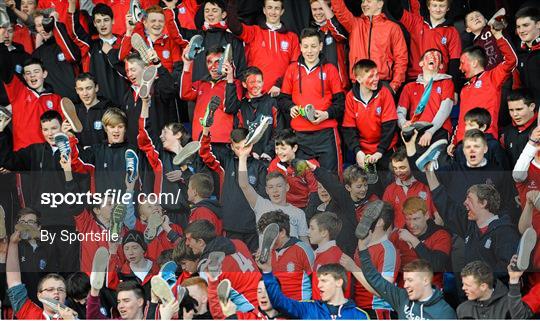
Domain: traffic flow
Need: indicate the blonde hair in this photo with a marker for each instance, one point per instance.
(114, 117)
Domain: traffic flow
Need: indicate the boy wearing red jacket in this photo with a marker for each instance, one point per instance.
(436, 32)
(269, 46)
(483, 85)
(374, 36)
(369, 124)
(202, 92)
(200, 189)
(324, 227)
(313, 81)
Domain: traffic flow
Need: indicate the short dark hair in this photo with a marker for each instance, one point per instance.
(239, 134)
(310, 32)
(203, 184)
(487, 193)
(164, 257)
(530, 12)
(183, 252)
(50, 115)
(215, 50)
(475, 134)
(337, 271)
(179, 128)
(102, 9)
(131, 286)
(354, 173)
(478, 53)
(26, 211)
(286, 137)
(480, 115)
(399, 155)
(78, 285)
(34, 61)
(201, 230)
(251, 70)
(521, 94)
(328, 221)
(480, 271)
(363, 65)
(387, 215)
(277, 217)
(276, 1)
(220, 3)
(86, 75)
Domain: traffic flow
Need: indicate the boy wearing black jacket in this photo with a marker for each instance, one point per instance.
(47, 176)
(488, 237)
(238, 217)
(457, 177)
(250, 109)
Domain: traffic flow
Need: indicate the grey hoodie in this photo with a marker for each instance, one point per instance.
(432, 309)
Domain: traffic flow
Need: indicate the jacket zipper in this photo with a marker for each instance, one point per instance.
(369, 39)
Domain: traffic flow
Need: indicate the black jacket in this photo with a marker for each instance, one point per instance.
(61, 72)
(529, 70)
(214, 38)
(238, 216)
(341, 204)
(104, 66)
(93, 131)
(46, 176)
(109, 162)
(495, 247)
(210, 204)
(458, 177)
(494, 155)
(515, 139)
(501, 305)
(250, 109)
(17, 57)
(439, 260)
(162, 110)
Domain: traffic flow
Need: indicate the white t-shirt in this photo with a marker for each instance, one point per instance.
(297, 217)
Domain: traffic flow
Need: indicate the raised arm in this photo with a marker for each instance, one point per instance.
(345, 17)
(249, 192)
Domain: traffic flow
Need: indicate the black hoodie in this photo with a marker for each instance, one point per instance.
(495, 246)
(212, 205)
(496, 307)
(93, 131)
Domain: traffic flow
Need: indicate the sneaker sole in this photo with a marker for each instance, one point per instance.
(128, 155)
(27, 232)
(118, 214)
(215, 259)
(258, 133)
(195, 46)
(135, 9)
(99, 267)
(371, 173)
(180, 293)
(154, 221)
(161, 289)
(213, 105)
(3, 231)
(187, 151)
(438, 146)
(5, 112)
(310, 112)
(225, 58)
(370, 215)
(223, 290)
(148, 77)
(52, 304)
(526, 246)
(138, 43)
(71, 114)
(269, 237)
(61, 139)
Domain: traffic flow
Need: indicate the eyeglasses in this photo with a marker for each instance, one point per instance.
(29, 222)
(60, 290)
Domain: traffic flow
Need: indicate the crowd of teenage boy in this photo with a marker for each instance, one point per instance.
(397, 150)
